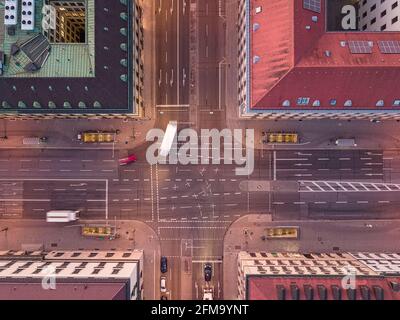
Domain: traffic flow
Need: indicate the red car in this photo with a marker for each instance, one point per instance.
(129, 159)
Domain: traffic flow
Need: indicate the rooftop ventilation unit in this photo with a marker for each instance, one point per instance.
(28, 15)
(11, 12)
(348, 103)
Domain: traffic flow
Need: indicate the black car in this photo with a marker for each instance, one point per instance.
(207, 272)
(163, 265)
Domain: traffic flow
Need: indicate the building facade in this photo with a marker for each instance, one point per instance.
(291, 67)
(71, 275)
(317, 276)
(377, 15)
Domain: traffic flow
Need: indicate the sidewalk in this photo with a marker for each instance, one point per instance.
(133, 235)
(62, 134)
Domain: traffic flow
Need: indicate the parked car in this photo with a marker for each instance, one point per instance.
(208, 294)
(164, 265)
(163, 284)
(129, 159)
(207, 272)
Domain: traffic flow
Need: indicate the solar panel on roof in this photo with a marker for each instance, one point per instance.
(389, 47)
(313, 5)
(357, 47)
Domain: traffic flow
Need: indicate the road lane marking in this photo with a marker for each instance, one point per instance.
(292, 159)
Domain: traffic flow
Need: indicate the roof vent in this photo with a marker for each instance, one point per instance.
(343, 44)
(256, 26)
(314, 19)
(286, 103)
(316, 103)
(328, 53)
(380, 103)
(258, 10)
(348, 103)
(308, 27)
(256, 59)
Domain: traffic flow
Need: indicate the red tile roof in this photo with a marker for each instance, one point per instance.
(293, 62)
(63, 291)
(266, 287)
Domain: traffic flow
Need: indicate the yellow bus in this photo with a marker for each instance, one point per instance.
(282, 138)
(99, 231)
(96, 137)
(283, 233)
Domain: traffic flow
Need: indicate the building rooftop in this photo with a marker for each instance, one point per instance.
(77, 275)
(84, 66)
(64, 291)
(296, 63)
(314, 288)
(318, 276)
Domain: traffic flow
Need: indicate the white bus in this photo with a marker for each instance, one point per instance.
(62, 216)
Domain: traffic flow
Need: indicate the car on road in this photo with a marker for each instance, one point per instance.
(129, 159)
(345, 142)
(207, 272)
(208, 294)
(163, 264)
(34, 140)
(163, 284)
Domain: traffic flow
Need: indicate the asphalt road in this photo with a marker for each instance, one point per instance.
(193, 203)
(34, 181)
(172, 46)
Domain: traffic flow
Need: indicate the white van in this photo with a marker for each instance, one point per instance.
(34, 140)
(346, 142)
(62, 216)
